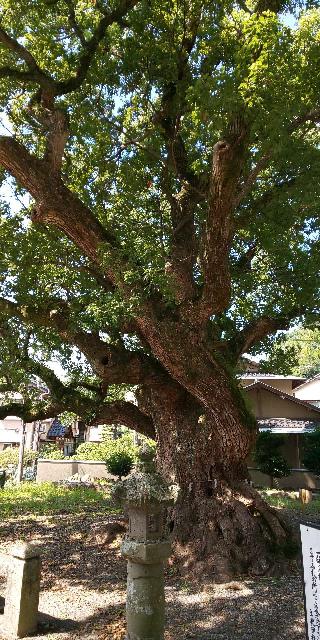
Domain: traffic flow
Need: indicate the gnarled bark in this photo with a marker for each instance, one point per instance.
(220, 525)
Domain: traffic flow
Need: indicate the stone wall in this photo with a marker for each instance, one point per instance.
(54, 470)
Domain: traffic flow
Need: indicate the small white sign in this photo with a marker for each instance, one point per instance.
(310, 539)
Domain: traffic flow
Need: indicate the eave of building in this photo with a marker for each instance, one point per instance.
(266, 376)
(306, 382)
(288, 425)
(281, 394)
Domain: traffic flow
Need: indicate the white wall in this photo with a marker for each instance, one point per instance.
(282, 384)
(95, 434)
(309, 391)
(55, 470)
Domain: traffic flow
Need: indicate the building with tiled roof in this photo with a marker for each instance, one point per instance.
(282, 413)
(287, 425)
(56, 430)
(283, 383)
(268, 401)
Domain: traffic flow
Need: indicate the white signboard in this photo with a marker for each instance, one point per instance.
(310, 539)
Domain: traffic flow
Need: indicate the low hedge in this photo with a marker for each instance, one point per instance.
(9, 457)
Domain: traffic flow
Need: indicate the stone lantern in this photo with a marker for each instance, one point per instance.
(146, 546)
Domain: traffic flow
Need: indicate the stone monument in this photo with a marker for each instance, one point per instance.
(22, 595)
(146, 547)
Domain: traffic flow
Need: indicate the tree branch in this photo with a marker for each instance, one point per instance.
(258, 329)
(228, 159)
(43, 79)
(227, 162)
(74, 24)
(59, 391)
(266, 198)
(114, 365)
(251, 178)
(55, 203)
(91, 46)
(269, 5)
(181, 261)
(58, 134)
(128, 414)
(106, 284)
(174, 105)
(34, 74)
(30, 413)
(54, 119)
(244, 262)
(313, 115)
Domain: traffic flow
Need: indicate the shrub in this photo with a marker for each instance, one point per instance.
(119, 463)
(121, 456)
(50, 451)
(121, 453)
(10, 456)
(311, 453)
(91, 451)
(267, 456)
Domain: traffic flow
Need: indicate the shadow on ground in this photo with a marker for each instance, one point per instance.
(77, 548)
(249, 610)
(83, 583)
(253, 611)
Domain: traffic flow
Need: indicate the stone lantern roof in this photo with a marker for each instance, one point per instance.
(144, 487)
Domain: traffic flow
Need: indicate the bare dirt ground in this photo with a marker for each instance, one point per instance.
(83, 589)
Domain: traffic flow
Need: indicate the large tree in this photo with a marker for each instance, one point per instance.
(170, 151)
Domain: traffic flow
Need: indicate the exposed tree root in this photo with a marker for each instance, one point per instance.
(228, 535)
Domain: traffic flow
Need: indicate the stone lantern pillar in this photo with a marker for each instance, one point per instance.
(146, 547)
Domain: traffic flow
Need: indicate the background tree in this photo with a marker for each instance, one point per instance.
(167, 155)
(296, 352)
(306, 342)
(268, 457)
(311, 452)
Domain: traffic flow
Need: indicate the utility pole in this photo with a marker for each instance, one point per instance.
(36, 435)
(21, 452)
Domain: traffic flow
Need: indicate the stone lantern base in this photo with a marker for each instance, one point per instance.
(145, 589)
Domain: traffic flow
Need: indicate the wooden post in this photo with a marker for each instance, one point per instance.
(305, 496)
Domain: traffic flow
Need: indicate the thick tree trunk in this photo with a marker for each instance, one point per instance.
(220, 525)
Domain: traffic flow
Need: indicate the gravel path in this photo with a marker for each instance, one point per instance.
(83, 589)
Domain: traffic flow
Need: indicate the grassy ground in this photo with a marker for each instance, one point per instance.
(290, 500)
(46, 498)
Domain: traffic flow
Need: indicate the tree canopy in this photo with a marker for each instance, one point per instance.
(167, 155)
